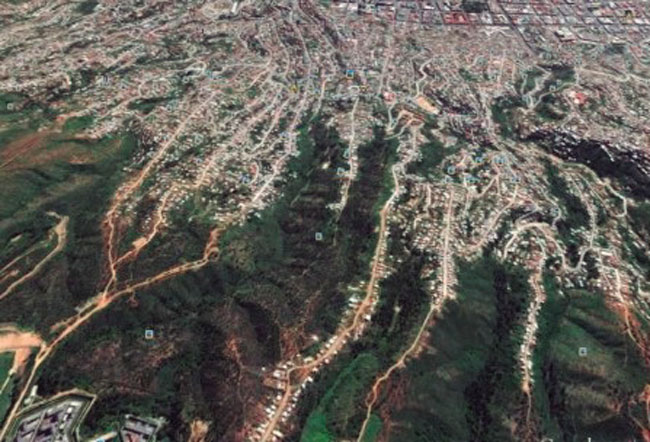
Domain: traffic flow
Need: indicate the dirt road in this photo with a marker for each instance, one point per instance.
(342, 335)
(434, 306)
(61, 232)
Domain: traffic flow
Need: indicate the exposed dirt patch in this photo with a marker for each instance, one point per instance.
(21, 343)
(22, 148)
(32, 149)
(138, 360)
(631, 325)
(199, 431)
(426, 105)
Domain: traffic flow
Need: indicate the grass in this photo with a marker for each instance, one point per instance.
(78, 124)
(339, 404)
(30, 186)
(372, 429)
(11, 134)
(316, 429)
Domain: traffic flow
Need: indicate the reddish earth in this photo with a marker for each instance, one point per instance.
(22, 148)
(32, 147)
(199, 431)
(395, 399)
(21, 343)
(632, 327)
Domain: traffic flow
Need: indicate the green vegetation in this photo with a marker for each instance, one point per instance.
(432, 154)
(270, 272)
(316, 429)
(574, 214)
(146, 105)
(80, 191)
(528, 85)
(548, 321)
(251, 263)
(6, 385)
(252, 92)
(250, 260)
(552, 106)
(339, 404)
(560, 75)
(503, 112)
(19, 113)
(496, 388)
(575, 395)
(7, 101)
(403, 289)
(164, 377)
(223, 44)
(476, 6)
(614, 49)
(372, 429)
(78, 124)
(87, 6)
(551, 109)
(640, 219)
(633, 252)
(470, 366)
(390, 332)
(11, 134)
(467, 75)
(367, 194)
